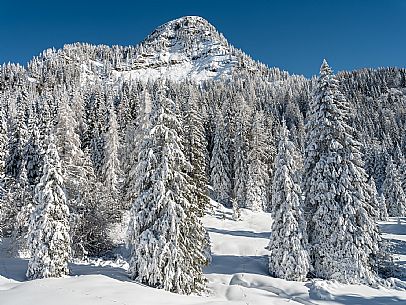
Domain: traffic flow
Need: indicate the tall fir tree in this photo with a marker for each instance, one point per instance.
(33, 152)
(166, 238)
(257, 178)
(49, 239)
(195, 151)
(69, 149)
(383, 209)
(75, 173)
(402, 173)
(17, 139)
(220, 164)
(343, 235)
(111, 170)
(133, 148)
(377, 202)
(22, 196)
(289, 257)
(270, 155)
(91, 234)
(240, 157)
(3, 141)
(381, 162)
(392, 190)
(3, 155)
(44, 121)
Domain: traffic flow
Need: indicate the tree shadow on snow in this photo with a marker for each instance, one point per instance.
(241, 233)
(16, 268)
(230, 264)
(13, 268)
(379, 300)
(116, 273)
(394, 228)
(397, 246)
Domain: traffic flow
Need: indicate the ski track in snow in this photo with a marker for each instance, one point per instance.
(238, 274)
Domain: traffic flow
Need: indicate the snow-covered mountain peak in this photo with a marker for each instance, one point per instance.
(185, 48)
(189, 30)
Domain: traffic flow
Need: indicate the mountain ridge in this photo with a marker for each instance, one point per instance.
(186, 48)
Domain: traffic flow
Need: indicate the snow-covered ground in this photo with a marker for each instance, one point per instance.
(237, 275)
(395, 232)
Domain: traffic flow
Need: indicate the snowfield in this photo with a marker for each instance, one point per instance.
(237, 275)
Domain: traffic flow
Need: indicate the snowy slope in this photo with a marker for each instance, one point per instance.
(237, 275)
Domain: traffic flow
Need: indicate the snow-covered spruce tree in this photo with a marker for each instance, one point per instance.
(1, 212)
(33, 152)
(392, 190)
(165, 236)
(295, 122)
(220, 164)
(374, 204)
(69, 148)
(95, 120)
(377, 202)
(78, 176)
(195, 145)
(3, 217)
(21, 194)
(398, 156)
(17, 138)
(133, 148)
(48, 239)
(289, 258)
(383, 210)
(381, 162)
(240, 158)
(3, 140)
(91, 232)
(71, 155)
(402, 172)
(101, 125)
(129, 117)
(3, 156)
(270, 155)
(257, 169)
(195, 149)
(44, 120)
(111, 170)
(18, 187)
(343, 235)
(77, 104)
(17, 202)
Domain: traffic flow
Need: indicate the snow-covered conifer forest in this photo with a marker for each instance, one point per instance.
(181, 171)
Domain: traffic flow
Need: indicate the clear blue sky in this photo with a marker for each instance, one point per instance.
(291, 34)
